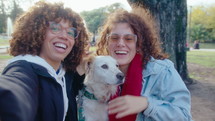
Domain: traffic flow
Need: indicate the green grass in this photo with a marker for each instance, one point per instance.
(192, 75)
(5, 56)
(4, 42)
(207, 45)
(203, 58)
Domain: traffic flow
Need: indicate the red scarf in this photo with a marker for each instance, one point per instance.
(132, 85)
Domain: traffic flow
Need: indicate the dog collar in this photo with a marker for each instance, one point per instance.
(88, 94)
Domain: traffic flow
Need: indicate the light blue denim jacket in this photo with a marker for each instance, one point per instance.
(168, 97)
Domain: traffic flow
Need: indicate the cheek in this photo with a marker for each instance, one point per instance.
(132, 47)
(49, 36)
(72, 43)
(110, 47)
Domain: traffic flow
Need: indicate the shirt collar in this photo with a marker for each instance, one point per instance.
(149, 70)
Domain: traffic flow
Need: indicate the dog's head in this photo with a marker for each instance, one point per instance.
(104, 69)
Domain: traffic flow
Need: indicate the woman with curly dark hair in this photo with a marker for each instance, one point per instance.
(47, 42)
(153, 90)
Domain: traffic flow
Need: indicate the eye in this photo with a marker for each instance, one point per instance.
(71, 33)
(114, 37)
(54, 26)
(55, 29)
(129, 38)
(117, 66)
(104, 66)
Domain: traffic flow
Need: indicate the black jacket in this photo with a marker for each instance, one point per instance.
(29, 93)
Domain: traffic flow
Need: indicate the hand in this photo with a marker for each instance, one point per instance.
(81, 67)
(127, 105)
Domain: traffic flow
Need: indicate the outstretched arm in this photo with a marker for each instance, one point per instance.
(18, 94)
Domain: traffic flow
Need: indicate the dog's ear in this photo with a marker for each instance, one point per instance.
(84, 66)
(88, 63)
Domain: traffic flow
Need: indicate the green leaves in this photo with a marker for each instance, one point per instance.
(95, 18)
(203, 23)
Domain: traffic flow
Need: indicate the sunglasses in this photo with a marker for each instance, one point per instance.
(128, 38)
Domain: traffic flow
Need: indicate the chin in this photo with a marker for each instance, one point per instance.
(122, 62)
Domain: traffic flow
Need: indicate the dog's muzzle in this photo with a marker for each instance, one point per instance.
(120, 77)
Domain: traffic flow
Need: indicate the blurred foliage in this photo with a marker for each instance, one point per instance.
(202, 26)
(9, 8)
(96, 17)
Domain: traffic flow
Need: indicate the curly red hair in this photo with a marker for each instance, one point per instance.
(143, 26)
(30, 30)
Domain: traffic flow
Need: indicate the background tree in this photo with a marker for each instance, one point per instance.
(16, 10)
(95, 18)
(3, 17)
(9, 8)
(203, 23)
(171, 17)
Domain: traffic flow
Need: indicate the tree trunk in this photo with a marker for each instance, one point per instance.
(171, 18)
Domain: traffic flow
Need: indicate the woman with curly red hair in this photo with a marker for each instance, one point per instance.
(153, 89)
(40, 82)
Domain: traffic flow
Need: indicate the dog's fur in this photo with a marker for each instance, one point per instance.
(102, 78)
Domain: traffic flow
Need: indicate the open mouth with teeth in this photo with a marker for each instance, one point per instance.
(121, 52)
(60, 45)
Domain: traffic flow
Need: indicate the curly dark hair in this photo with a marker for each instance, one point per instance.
(143, 26)
(30, 30)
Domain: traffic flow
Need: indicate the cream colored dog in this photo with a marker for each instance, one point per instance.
(101, 81)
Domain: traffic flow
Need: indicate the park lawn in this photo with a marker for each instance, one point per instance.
(5, 56)
(4, 42)
(207, 45)
(203, 58)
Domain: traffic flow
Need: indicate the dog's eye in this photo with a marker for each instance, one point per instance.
(104, 66)
(117, 66)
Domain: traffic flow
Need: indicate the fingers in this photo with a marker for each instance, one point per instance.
(115, 103)
(117, 106)
(127, 105)
(89, 53)
(123, 114)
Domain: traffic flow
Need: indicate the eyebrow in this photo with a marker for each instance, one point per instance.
(121, 34)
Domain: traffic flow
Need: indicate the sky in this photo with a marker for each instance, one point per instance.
(86, 5)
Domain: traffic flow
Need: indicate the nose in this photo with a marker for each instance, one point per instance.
(120, 76)
(63, 34)
(121, 42)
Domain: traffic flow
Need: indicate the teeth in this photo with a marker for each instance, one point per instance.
(60, 45)
(121, 52)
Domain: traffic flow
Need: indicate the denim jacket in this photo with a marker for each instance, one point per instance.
(168, 97)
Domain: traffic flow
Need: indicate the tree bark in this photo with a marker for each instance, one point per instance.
(171, 18)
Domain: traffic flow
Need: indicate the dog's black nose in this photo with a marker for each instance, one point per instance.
(120, 76)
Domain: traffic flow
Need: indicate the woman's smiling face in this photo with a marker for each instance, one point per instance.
(57, 46)
(122, 44)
